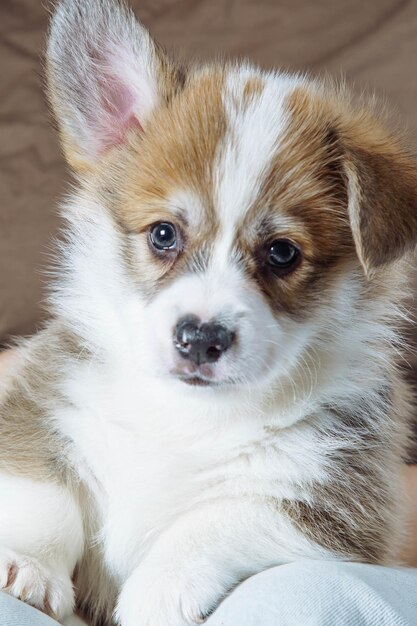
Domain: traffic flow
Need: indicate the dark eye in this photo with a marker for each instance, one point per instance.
(163, 236)
(282, 254)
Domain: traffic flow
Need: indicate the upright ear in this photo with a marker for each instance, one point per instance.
(382, 195)
(105, 75)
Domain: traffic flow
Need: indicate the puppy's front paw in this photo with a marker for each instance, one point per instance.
(162, 600)
(27, 579)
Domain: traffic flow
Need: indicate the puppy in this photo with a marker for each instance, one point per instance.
(217, 391)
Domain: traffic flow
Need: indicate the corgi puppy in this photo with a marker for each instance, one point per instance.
(217, 390)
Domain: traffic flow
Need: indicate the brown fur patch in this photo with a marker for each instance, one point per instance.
(340, 526)
(380, 174)
(29, 443)
(176, 152)
(252, 89)
(356, 513)
(385, 221)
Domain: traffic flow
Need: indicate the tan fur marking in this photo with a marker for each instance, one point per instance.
(153, 166)
(350, 513)
(330, 528)
(158, 164)
(29, 444)
(379, 172)
(252, 89)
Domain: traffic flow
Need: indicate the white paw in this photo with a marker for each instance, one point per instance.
(27, 579)
(164, 601)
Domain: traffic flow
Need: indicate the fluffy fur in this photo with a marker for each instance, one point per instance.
(153, 496)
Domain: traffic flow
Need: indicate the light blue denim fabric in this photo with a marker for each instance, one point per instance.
(16, 613)
(308, 593)
(319, 593)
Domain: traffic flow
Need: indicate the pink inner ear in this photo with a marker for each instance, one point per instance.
(117, 115)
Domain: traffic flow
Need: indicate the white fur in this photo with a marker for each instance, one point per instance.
(252, 140)
(41, 537)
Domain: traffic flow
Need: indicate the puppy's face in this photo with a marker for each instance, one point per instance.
(247, 204)
(236, 229)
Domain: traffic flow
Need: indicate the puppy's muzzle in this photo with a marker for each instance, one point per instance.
(201, 343)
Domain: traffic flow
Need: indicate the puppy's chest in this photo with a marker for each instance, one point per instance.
(153, 476)
(149, 483)
(152, 466)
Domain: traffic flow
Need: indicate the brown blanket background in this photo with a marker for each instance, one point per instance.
(373, 44)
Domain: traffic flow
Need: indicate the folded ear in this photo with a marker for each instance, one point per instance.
(382, 196)
(105, 75)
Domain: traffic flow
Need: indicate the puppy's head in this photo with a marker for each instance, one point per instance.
(249, 210)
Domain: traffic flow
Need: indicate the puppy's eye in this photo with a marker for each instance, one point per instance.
(282, 254)
(163, 236)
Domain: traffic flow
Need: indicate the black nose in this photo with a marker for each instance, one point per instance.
(201, 343)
